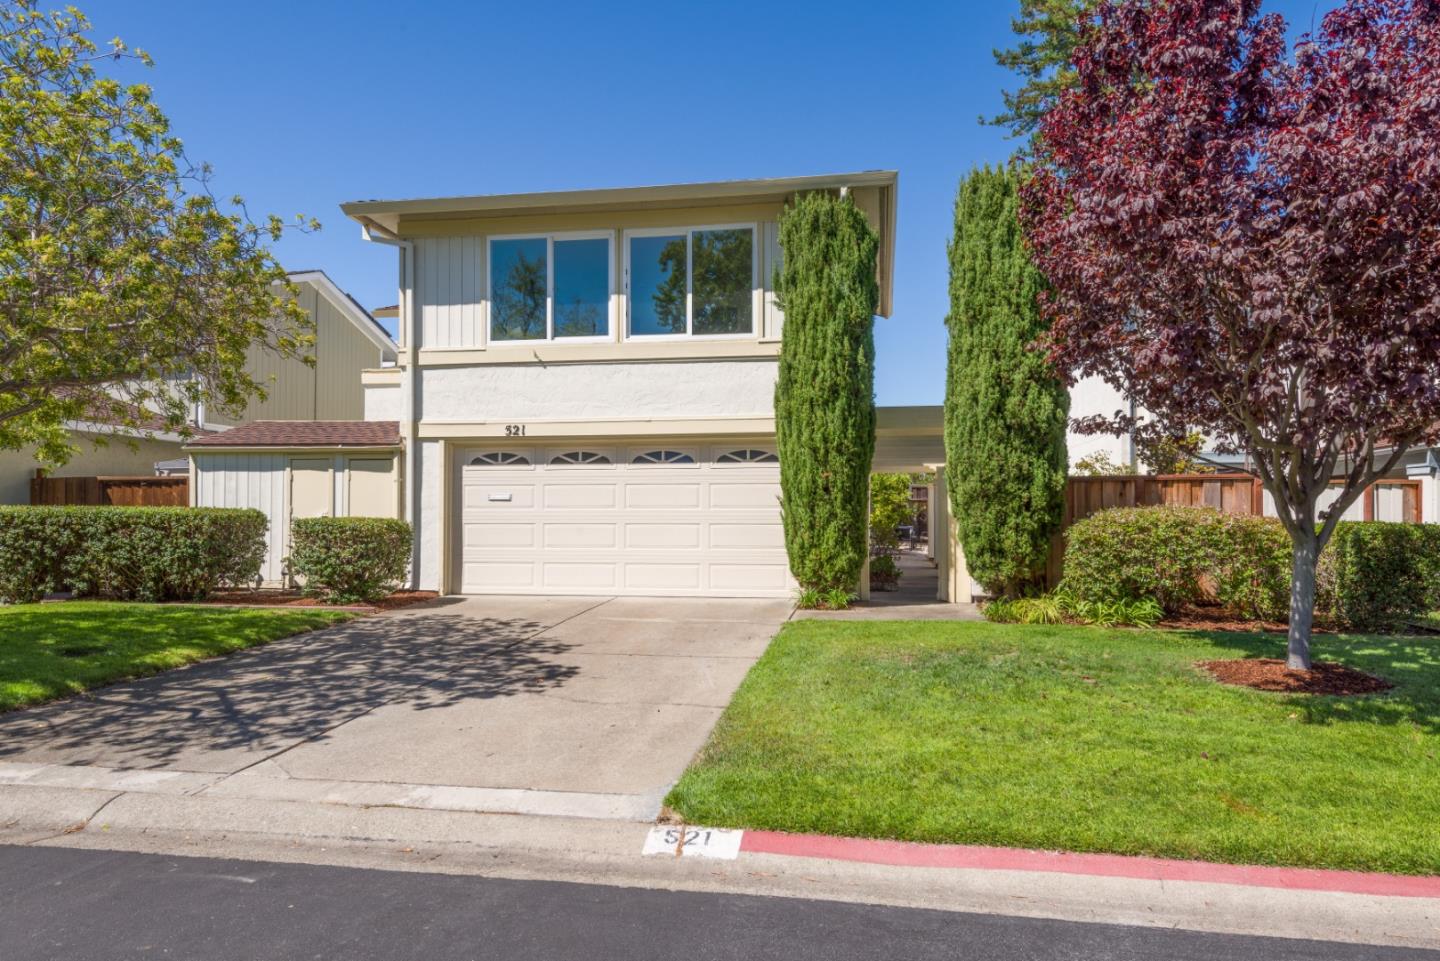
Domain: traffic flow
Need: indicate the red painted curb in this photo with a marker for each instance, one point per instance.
(912, 854)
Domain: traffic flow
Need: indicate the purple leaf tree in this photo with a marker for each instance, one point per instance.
(1246, 240)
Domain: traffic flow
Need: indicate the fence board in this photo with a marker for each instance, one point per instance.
(142, 491)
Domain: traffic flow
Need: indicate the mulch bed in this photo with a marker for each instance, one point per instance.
(1198, 617)
(1271, 674)
(274, 598)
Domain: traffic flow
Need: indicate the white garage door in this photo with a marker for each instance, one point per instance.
(662, 518)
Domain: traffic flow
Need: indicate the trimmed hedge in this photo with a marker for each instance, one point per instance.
(343, 560)
(128, 553)
(1371, 576)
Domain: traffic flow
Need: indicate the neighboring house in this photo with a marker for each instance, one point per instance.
(1091, 396)
(347, 341)
(584, 400)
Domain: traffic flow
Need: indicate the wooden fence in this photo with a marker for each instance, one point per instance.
(142, 491)
(1390, 499)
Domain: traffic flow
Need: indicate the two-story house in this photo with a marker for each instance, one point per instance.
(347, 341)
(584, 399)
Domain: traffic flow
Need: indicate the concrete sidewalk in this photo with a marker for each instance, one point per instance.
(152, 818)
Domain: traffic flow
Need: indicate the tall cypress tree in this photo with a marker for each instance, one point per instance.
(825, 397)
(1005, 409)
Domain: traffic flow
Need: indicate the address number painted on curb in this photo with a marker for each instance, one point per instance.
(689, 841)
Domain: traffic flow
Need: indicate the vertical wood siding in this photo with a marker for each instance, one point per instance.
(331, 390)
(451, 275)
(248, 480)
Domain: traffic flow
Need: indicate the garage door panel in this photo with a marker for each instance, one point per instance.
(600, 576)
(579, 496)
(498, 496)
(661, 496)
(521, 535)
(585, 536)
(746, 577)
(695, 529)
(493, 576)
(742, 496)
(662, 577)
(747, 537)
(662, 536)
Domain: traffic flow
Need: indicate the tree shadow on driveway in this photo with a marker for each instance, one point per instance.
(227, 713)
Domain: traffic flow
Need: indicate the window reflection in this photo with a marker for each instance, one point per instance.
(518, 285)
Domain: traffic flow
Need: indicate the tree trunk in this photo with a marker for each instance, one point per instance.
(1302, 599)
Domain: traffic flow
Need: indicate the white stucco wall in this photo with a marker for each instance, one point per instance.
(382, 402)
(594, 391)
(1089, 397)
(429, 482)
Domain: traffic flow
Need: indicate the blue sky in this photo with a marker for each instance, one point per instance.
(300, 106)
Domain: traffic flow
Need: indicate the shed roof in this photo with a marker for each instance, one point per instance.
(305, 433)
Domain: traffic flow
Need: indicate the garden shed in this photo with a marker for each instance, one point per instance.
(290, 469)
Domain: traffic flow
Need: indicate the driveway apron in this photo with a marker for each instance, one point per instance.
(600, 696)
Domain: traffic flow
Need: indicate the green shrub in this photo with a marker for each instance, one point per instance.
(1060, 607)
(1175, 555)
(1005, 408)
(825, 389)
(129, 553)
(1372, 574)
(348, 559)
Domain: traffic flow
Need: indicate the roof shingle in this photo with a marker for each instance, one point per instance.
(307, 433)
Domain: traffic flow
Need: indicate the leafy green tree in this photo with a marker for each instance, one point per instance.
(1049, 32)
(123, 285)
(825, 396)
(890, 507)
(1005, 408)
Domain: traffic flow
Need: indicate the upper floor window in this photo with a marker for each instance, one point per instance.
(549, 287)
(696, 281)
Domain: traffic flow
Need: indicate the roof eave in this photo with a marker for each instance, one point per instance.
(388, 214)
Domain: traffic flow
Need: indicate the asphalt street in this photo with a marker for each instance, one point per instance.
(103, 905)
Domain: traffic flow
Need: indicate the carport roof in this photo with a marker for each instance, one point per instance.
(908, 439)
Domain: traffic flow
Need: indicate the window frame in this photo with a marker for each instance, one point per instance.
(550, 237)
(553, 455)
(526, 460)
(632, 463)
(770, 457)
(756, 322)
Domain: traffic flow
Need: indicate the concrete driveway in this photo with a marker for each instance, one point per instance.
(576, 706)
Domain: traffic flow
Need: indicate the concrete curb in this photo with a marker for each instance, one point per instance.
(912, 854)
(590, 850)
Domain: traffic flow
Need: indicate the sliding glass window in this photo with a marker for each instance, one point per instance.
(549, 287)
(696, 281)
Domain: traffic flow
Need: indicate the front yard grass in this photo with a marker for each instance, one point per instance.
(51, 650)
(1081, 739)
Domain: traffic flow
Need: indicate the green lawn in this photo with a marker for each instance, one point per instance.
(1080, 739)
(51, 650)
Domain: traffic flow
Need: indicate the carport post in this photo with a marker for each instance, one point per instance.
(865, 565)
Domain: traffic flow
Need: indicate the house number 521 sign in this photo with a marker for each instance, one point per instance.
(514, 430)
